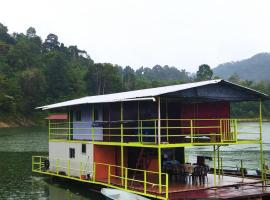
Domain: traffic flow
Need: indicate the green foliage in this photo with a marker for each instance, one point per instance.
(204, 73)
(35, 73)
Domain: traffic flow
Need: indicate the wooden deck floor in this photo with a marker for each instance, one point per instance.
(221, 181)
(226, 187)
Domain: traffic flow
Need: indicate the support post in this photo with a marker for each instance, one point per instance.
(159, 169)
(144, 182)
(215, 171)
(126, 178)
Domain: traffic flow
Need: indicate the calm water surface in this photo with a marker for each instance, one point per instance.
(17, 145)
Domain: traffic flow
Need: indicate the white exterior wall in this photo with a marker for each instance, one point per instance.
(60, 151)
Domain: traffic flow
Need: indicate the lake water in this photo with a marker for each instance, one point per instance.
(17, 145)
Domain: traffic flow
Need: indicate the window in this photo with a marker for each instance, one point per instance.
(83, 148)
(78, 116)
(71, 153)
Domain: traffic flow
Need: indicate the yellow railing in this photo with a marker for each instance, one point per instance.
(146, 131)
(138, 181)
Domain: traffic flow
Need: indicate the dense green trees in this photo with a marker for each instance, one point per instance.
(34, 73)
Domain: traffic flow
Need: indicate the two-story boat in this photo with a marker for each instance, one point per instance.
(135, 141)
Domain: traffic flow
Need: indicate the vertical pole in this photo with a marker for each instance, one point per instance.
(122, 147)
(261, 145)
(93, 119)
(159, 169)
(126, 178)
(144, 182)
(159, 123)
(215, 171)
(167, 186)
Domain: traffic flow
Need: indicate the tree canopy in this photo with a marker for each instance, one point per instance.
(34, 72)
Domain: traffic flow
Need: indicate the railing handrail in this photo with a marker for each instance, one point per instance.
(218, 130)
(37, 166)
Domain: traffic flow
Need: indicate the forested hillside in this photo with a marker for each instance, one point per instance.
(35, 72)
(255, 68)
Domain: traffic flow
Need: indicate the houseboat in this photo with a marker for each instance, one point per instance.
(135, 141)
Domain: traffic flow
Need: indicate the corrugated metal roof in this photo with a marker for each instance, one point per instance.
(144, 94)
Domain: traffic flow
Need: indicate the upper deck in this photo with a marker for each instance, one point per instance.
(179, 115)
(173, 132)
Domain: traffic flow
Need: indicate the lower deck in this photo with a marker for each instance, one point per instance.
(145, 183)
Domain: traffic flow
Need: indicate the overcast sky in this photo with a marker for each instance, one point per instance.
(139, 33)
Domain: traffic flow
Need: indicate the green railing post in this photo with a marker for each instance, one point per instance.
(167, 186)
(220, 130)
(109, 174)
(126, 178)
(144, 182)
